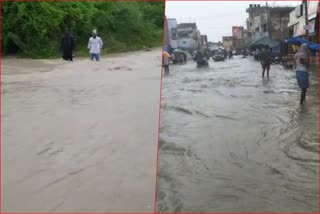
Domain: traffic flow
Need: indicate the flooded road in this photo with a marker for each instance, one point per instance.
(81, 136)
(234, 142)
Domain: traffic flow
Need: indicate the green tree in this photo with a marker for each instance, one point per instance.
(34, 29)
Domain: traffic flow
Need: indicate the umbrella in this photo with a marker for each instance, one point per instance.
(178, 51)
(166, 54)
(266, 41)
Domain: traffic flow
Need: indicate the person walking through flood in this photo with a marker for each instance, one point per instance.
(230, 54)
(184, 58)
(302, 62)
(265, 60)
(67, 45)
(94, 45)
(199, 58)
(165, 59)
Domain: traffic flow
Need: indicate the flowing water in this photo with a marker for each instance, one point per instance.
(231, 141)
(81, 136)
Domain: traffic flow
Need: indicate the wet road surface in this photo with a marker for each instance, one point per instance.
(234, 142)
(81, 136)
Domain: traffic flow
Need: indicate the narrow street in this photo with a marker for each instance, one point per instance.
(81, 136)
(234, 142)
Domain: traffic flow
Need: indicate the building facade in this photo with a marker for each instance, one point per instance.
(238, 37)
(172, 32)
(227, 42)
(188, 36)
(204, 41)
(265, 21)
(166, 35)
(297, 24)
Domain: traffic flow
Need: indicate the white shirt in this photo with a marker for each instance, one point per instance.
(95, 44)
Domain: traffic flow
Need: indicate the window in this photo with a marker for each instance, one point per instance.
(264, 28)
(184, 34)
(174, 36)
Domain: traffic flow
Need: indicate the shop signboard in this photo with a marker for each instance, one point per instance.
(312, 9)
(311, 26)
(237, 32)
(298, 29)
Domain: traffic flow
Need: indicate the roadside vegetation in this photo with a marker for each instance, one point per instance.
(34, 29)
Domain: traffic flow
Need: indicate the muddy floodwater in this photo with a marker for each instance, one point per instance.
(81, 136)
(234, 142)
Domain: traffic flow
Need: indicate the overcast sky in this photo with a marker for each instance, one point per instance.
(215, 18)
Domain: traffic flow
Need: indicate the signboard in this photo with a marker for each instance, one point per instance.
(237, 32)
(293, 19)
(312, 25)
(307, 27)
(312, 9)
(298, 29)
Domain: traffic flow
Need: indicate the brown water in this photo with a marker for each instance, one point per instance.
(234, 142)
(81, 136)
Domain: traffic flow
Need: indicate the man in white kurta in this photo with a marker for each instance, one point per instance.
(95, 44)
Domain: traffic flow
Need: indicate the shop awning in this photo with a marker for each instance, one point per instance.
(266, 41)
(298, 41)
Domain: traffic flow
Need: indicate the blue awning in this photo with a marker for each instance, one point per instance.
(314, 47)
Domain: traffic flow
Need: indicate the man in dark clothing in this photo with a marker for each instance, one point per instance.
(184, 57)
(199, 57)
(244, 52)
(67, 45)
(265, 59)
(230, 54)
(225, 54)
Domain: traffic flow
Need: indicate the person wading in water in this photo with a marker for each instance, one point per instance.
(67, 45)
(265, 60)
(302, 62)
(165, 58)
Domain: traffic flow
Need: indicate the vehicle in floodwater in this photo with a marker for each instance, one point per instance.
(203, 62)
(179, 56)
(218, 55)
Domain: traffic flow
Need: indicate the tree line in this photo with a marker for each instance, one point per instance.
(34, 29)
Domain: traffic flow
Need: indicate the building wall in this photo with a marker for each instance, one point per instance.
(262, 21)
(237, 43)
(166, 35)
(186, 43)
(279, 24)
(227, 42)
(172, 32)
(297, 21)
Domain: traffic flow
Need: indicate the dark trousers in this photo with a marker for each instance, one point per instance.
(67, 55)
(166, 69)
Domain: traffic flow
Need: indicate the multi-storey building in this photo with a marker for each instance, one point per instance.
(264, 21)
(172, 32)
(188, 36)
(297, 25)
(227, 42)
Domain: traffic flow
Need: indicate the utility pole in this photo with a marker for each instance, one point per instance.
(307, 18)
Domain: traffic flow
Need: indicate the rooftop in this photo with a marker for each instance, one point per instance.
(185, 25)
(258, 7)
